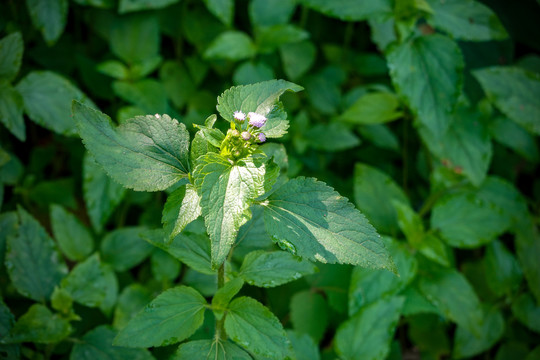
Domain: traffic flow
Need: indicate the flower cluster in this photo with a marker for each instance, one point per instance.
(251, 131)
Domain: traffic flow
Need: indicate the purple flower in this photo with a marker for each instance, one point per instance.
(246, 136)
(256, 120)
(240, 116)
(262, 137)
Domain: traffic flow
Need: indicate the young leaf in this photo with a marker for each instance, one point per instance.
(467, 20)
(309, 314)
(124, 248)
(97, 344)
(255, 328)
(11, 48)
(39, 325)
(227, 191)
(146, 153)
(269, 38)
(73, 238)
(47, 99)
(515, 92)
(373, 108)
(231, 45)
(527, 311)
(351, 10)
(33, 263)
(224, 295)
(11, 111)
(427, 72)
(210, 349)
(181, 208)
(269, 269)
(171, 317)
(49, 17)
(375, 325)
(311, 220)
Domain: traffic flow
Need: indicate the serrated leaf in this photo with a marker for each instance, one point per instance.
(227, 191)
(375, 325)
(503, 273)
(11, 48)
(210, 349)
(171, 317)
(467, 20)
(260, 98)
(33, 263)
(181, 208)
(101, 194)
(309, 314)
(49, 17)
(11, 111)
(351, 10)
(222, 9)
(515, 92)
(373, 108)
(311, 220)
(373, 194)
(39, 325)
(231, 45)
(97, 343)
(145, 153)
(224, 295)
(125, 6)
(527, 311)
(73, 238)
(269, 269)
(47, 100)
(124, 248)
(255, 328)
(427, 72)
(135, 37)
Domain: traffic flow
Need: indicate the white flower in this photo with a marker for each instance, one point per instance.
(240, 116)
(256, 120)
(157, 116)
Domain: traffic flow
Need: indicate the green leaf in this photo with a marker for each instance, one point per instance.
(47, 99)
(39, 325)
(351, 10)
(467, 20)
(271, 12)
(135, 37)
(373, 108)
(269, 38)
(49, 17)
(375, 325)
(465, 147)
(311, 220)
(534, 354)
(88, 282)
(515, 92)
(210, 349)
(370, 285)
(11, 111)
(503, 274)
(33, 263)
(427, 73)
(177, 82)
(227, 191)
(331, 137)
(380, 135)
(452, 294)
(373, 194)
(466, 344)
(97, 344)
(297, 58)
(417, 303)
(527, 311)
(269, 269)
(101, 194)
(124, 248)
(513, 136)
(260, 98)
(73, 238)
(6, 319)
(114, 68)
(181, 208)
(165, 267)
(145, 153)
(224, 295)
(528, 252)
(125, 6)
(428, 333)
(222, 9)
(171, 317)
(304, 346)
(11, 48)
(255, 328)
(231, 45)
(309, 314)
(147, 94)
(133, 299)
(251, 73)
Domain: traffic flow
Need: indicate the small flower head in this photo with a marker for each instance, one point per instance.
(246, 136)
(256, 120)
(262, 137)
(157, 116)
(233, 133)
(239, 116)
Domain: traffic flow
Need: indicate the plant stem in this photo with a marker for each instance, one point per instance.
(220, 324)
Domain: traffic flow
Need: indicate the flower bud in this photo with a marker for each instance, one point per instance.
(239, 116)
(234, 133)
(256, 120)
(246, 135)
(262, 137)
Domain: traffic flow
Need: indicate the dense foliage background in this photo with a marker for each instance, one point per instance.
(424, 113)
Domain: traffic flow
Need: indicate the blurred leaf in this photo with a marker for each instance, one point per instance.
(331, 137)
(114, 68)
(148, 94)
(527, 311)
(222, 9)
(534, 355)
(351, 10)
(11, 48)
(177, 82)
(428, 333)
(231, 45)
(373, 108)
(304, 346)
(140, 153)
(135, 37)
(510, 134)
(47, 100)
(73, 238)
(33, 263)
(6, 320)
(269, 38)
(171, 317)
(427, 72)
(528, 252)
(515, 92)
(124, 248)
(213, 349)
(181, 208)
(503, 273)
(468, 20)
(297, 58)
(417, 303)
(11, 111)
(250, 73)
(380, 136)
(309, 314)
(254, 327)
(133, 298)
(49, 17)
(375, 325)
(125, 6)
(271, 12)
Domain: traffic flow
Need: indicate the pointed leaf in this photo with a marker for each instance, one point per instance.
(146, 153)
(73, 238)
(224, 295)
(39, 325)
(467, 344)
(503, 273)
(210, 349)
(133, 299)
(231, 45)
(181, 208)
(49, 17)
(222, 9)
(11, 48)
(11, 111)
(135, 37)
(304, 346)
(171, 317)
(373, 108)
(527, 311)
